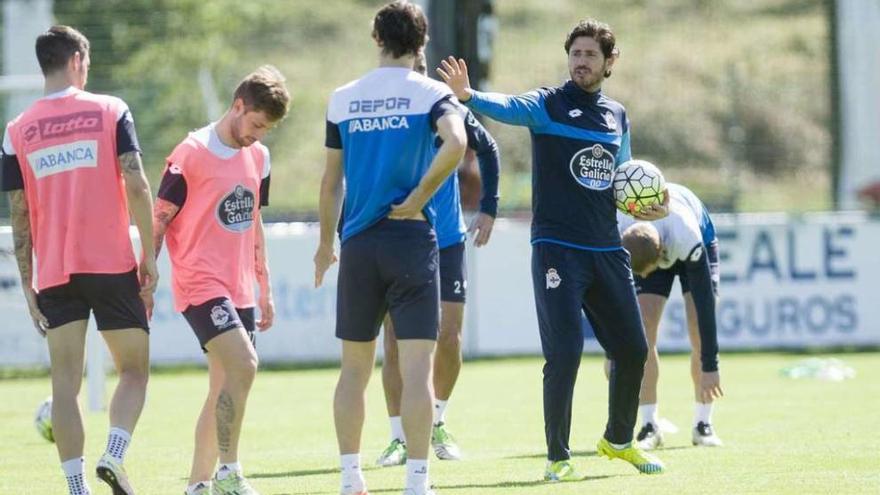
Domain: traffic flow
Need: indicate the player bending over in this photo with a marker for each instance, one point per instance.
(681, 245)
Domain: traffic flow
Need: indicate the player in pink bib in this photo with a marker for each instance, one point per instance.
(72, 166)
(208, 208)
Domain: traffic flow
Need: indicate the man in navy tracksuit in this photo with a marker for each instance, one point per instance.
(579, 137)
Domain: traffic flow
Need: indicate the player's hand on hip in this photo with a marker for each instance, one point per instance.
(267, 313)
(655, 211)
(41, 323)
(710, 386)
(482, 228)
(455, 74)
(408, 210)
(324, 258)
(148, 276)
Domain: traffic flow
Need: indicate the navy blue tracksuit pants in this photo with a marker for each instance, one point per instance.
(568, 281)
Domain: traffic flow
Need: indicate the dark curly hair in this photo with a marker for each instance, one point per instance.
(401, 28)
(592, 28)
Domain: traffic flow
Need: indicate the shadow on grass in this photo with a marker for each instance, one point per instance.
(587, 453)
(295, 473)
(472, 486)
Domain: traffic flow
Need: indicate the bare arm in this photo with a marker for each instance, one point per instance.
(328, 212)
(450, 128)
(163, 213)
(140, 204)
(261, 269)
(21, 235)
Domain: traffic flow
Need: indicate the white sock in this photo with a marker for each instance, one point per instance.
(191, 489)
(352, 476)
(648, 412)
(440, 411)
(620, 446)
(74, 470)
(417, 475)
(702, 412)
(117, 443)
(228, 468)
(397, 429)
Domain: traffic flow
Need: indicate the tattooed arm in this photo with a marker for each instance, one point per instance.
(261, 268)
(21, 235)
(140, 204)
(164, 212)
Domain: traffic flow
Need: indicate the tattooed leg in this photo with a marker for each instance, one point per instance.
(239, 361)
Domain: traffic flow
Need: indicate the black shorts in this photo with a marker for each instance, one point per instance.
(390, 267)
(113, 297)
(453, 273)
(216, 316)
(659, 282)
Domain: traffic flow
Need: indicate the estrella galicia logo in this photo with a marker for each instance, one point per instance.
(236, 209)
(593, 167)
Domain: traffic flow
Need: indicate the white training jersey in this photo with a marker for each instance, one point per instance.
(684, 231)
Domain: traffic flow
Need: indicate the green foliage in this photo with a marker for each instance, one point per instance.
(725, 96)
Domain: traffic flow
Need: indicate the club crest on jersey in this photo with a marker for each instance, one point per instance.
(219, 316)
(696, 254)
(610, 121)
(236, 210)
(593, 167)
(553, 278)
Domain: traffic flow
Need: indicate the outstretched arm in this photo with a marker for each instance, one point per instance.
(526, 109)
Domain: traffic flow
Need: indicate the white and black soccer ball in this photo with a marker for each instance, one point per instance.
(637, 184)
(43, 420)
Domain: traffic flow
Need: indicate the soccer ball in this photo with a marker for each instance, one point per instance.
(43, 420)
(637, 184)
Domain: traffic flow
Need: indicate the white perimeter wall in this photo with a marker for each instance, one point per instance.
(786, 282)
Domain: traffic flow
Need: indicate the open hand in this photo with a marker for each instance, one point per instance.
(455, 75)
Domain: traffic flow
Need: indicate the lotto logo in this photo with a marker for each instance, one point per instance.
(65, 125)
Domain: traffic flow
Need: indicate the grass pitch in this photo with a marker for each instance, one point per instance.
(781, 435)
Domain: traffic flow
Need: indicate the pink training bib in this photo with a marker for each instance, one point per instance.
(66, 148)
(211, 240)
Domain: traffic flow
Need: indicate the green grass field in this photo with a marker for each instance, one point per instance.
(782, 436)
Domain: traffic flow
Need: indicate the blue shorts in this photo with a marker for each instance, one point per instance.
(453, 273)
(659, 282)
(390, 267)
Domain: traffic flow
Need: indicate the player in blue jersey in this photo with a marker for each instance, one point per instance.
(380, 138)
(579, 136)
(451, 236)
(681, 245)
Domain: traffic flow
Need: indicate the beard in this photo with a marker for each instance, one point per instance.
(586, 79)
(240, 140)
